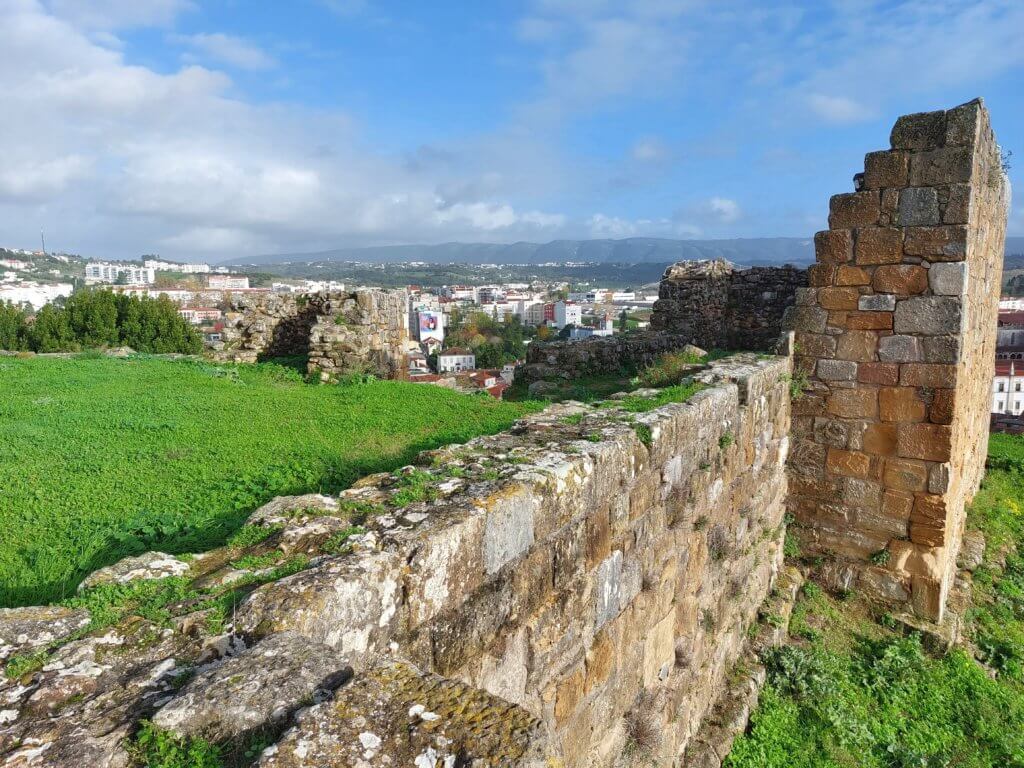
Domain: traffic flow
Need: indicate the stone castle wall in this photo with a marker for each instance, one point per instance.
(714, 305)
(897, 334)
(706, 303)
(342, 332)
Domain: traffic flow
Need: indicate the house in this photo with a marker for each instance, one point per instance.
(455, 359)
(1007, 386)
(567, 313)
(418, 363)
(200, 315)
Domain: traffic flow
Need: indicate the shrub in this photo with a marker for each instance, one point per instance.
(669, 368)
(156, 748)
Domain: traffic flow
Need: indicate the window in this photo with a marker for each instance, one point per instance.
(1001, 386)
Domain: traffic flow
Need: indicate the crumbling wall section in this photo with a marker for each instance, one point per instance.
(341, 332)
(714, 305)
(896, 334)
(589, 567)
(597, 355)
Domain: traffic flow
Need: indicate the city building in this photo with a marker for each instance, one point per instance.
(200, 315)
(170, 266)
(567, 313)
(455, 359)
(36, 295)
(227, 282)
(1008, 388)
(114, 272)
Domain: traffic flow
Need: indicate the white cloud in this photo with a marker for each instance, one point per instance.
(116, 159)
(227, 49)
(838, 109)
(650, 150)
(724, 209)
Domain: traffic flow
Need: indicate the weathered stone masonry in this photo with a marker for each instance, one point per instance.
(342, 332)
(897, 333)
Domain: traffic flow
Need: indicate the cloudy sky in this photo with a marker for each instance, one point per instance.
(209, 129)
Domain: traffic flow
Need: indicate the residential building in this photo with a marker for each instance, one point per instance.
(455, 359)
(227, 282)
(533, 314)
(460, 292)
(567, 313)
(1008, 388)
(418, 363)
(114, 272)
(36, 295)
(200, 315)
(170, 266)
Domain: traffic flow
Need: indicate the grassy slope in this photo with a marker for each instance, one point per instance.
(853, 692)
(104, 457)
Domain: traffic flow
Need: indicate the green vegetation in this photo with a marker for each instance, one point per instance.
(494, 342)
(98, 318)
(103, 458)
(854, 691)
(670, 368)
(680, 393)
(156, 748)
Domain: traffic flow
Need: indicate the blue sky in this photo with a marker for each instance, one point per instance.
(217, 129)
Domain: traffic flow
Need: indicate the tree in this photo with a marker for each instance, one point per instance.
(51, 331)
(92, 315)
(13, 331)
(623, 321)
(566, 331)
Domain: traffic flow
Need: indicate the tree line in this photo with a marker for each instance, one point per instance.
(99, 318)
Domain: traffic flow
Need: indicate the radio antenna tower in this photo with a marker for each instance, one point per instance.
(43, 238)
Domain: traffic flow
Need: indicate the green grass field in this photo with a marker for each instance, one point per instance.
(852, 690)
(102, 457)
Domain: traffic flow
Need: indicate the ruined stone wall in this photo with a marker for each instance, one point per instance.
(597, 355)
(897, 334)
(342, 332)
(714, 305)
(706, 303)
(614, 564)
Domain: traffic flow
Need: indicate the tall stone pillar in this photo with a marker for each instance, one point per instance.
(897, 336)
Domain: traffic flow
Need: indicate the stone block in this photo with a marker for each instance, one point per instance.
(931, 315)
(920, 131)
(848, 463)
(860, 403)
(820, 275)
(877, 321)
(885, 169)
(930, 442)
(880, 439)
(938, 478)
(962, 123)
(918, 207)
(905, 475)
(941, 349)
(837, 370)
(884, 585)
(927, 375)
(861, 493)
(850, 275)
(568, 694)
(958, 205)
(832, 432)
(899, 349)
(659, 651)
(885, 374)
(897, 505)
(902, 279)
(860, 346)
(927, 597)
(600, 661)
(878, 245)
(815, 345)
(877, 302)
(945, 243)
(838, 298)
(948, 165)
(854, 209)
(916, 560)
(941, 409)
(900, 404)
(948, 278)
(508, 532)
(834, 246)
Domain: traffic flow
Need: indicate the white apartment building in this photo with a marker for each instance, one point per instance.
(567, 313)
(1008, 388)
(170, 266)
(106, 272)
(455, 360)
(459, 292)
(36, 295)
(1005, 303)
(228, 282)
(533, 314)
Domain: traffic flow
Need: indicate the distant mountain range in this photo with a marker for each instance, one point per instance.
(633, 250)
